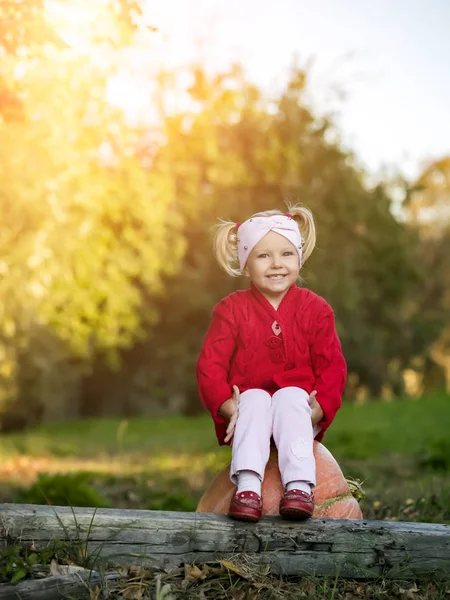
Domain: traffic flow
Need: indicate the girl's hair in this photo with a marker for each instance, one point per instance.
(226, 237)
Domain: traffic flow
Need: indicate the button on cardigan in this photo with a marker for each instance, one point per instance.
(241, 349)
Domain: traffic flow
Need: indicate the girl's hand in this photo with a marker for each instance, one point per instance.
(231, 412)
(316, 409)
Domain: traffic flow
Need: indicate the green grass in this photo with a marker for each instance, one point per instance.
(404, 426)
(91, 437)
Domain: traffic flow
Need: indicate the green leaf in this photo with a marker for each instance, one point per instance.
(21, 573)
(33, 559)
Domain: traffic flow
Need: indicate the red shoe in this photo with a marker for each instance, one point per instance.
(246, 506)
(297, 505)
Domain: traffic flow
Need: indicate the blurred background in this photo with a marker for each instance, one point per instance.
(127, 129)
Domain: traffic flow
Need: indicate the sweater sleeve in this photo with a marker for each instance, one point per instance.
(213, 364)
(328, 364)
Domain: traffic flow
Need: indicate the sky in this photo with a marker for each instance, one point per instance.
(390, 58)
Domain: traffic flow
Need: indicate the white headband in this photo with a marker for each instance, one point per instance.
(253, 230)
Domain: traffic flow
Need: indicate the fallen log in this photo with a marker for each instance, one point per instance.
(164, 540)
(58, 587)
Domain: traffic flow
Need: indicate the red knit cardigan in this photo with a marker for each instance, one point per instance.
(241, 349)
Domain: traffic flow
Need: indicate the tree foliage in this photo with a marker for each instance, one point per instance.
(86, 228)
(427, 211)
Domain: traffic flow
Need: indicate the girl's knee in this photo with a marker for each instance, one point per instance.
(255, 403)
(293, 394)
(255, 395)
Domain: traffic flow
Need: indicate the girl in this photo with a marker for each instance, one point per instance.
(265, 352)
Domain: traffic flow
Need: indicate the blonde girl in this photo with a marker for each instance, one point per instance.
(268, 351)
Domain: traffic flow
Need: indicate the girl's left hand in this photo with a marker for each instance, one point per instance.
(316, 409)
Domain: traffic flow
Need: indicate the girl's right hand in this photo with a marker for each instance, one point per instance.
(316, 409)
(230, 410)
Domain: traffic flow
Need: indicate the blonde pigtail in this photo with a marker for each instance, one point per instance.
(307, 227)
(226, 248)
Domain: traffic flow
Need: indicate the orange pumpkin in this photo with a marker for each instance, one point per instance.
(332, 493)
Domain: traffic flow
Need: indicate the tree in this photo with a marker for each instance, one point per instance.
(87, 229)
(427, 210)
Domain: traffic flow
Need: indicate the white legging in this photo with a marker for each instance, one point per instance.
(287, 417)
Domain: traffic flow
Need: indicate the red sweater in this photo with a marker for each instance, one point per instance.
(241, 349)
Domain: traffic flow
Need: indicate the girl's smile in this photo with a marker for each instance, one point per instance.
(273, 266)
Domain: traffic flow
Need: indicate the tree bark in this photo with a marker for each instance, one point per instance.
(57, 587)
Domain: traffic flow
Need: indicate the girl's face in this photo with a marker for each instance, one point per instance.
(273, 266)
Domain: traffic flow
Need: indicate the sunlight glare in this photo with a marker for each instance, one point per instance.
(133, 70)
(74, 22)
